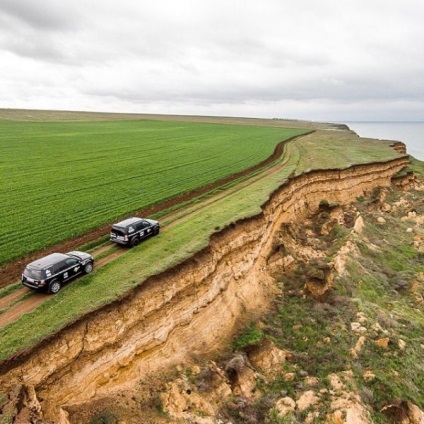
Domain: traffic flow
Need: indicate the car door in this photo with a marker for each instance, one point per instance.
(58, 271)
(147, 228)
(72, 267)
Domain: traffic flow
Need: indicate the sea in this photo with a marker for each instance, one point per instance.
(410, 133)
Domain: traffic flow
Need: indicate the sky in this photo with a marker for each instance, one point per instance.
(322, 60)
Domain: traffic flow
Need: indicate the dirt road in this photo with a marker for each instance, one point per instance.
(24, 300)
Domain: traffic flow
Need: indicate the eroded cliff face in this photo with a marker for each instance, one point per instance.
(190, 310)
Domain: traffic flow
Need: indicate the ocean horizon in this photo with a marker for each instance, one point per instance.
(411, 133)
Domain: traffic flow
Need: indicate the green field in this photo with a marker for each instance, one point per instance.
(60, 179)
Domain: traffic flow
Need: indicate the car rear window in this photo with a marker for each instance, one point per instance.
(34, 273)
(118, 231)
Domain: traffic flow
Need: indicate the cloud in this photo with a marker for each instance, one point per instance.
(44, 15)
(235, 56)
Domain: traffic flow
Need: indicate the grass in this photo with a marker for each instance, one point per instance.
(417, 166)
(79, 175)
(249, 337)
(338, 149)
(9, 289)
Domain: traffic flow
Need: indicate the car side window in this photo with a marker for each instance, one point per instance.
(146, 224)
(139, 225)
(58, 267)
(71, 262)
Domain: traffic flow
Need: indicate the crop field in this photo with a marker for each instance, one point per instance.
(60, 179)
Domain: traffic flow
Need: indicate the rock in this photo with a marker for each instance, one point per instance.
(306, 400)
(64, 417)
(378, 328)
(267, 357)
(401, 344)
(312, 417)
(349, 413)
(381, 220)
(415, 414)
(358, 347)
(346, 406)
(359, 225)
(179, 398)
(419, 244)
(368, 375)
(404, 412)
(285, 406)
(335, 382)
(383, 343)
(357, 327)
(242, 376)
(362, 317)
(337, 417)
(290, 376)
(312, 381)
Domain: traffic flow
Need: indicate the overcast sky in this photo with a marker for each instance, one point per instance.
(332, 60)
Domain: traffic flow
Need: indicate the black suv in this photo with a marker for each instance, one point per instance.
(132, 230)
(50, 272)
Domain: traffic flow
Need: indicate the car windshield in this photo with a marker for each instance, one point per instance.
(34, 273)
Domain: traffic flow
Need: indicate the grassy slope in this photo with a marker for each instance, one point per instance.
(338, 149)
(172, 246)
(79, 175)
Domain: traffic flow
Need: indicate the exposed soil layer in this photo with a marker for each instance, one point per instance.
(191, 309)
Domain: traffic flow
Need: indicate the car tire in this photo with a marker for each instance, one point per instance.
(88, 268)
(135, 241)
(54, 287)
(156, 231)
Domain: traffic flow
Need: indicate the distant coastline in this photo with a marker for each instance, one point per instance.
(410, 133)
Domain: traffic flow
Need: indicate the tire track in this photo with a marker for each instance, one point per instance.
(24, 300)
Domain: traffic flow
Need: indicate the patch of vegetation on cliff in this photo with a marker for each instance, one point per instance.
(323, 147)
(369, 324)
(417, 166)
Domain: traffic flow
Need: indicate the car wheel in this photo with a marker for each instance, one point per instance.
(54, 287)
(156, 231)
(88, 268)
(135, 241)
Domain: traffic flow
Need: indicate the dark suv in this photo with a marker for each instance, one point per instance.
(49, 273)
(132, 230)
